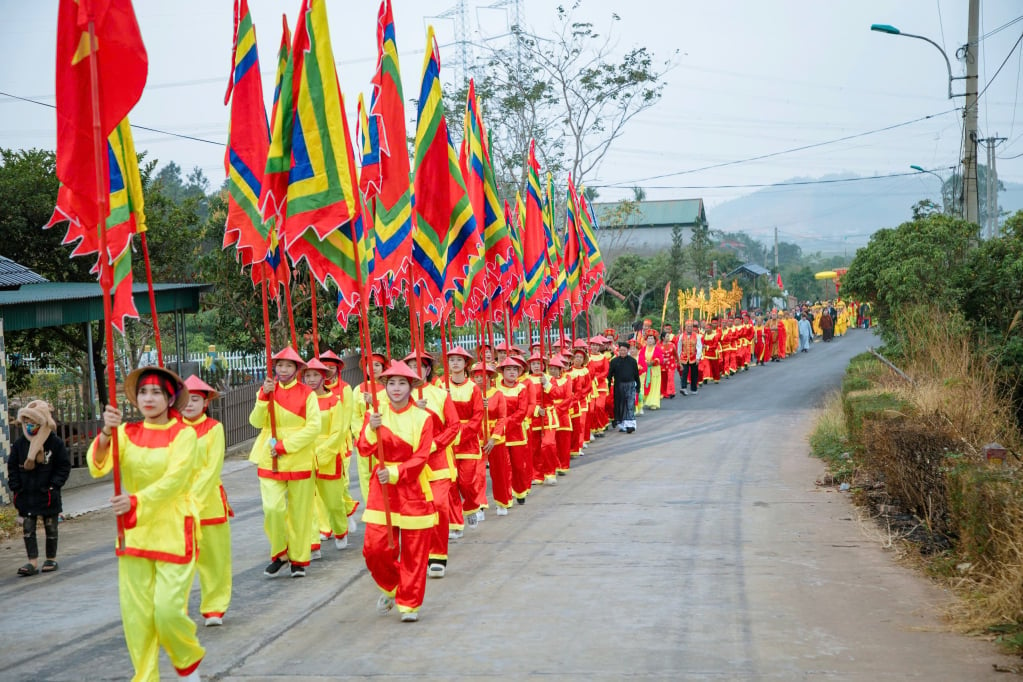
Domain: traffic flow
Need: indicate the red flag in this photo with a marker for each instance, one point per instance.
(779, 281)
(121, 65)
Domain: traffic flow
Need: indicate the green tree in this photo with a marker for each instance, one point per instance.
(641, 280)
(918, 262)
(699, 254)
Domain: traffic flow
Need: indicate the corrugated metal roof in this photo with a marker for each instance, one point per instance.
(54, 304)
(664, 213)
(751, 269)
(13, 275)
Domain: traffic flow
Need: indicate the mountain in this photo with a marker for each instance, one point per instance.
(832, 216)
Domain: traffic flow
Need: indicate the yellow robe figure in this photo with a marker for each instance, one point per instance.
(214, 563)
(651, 378)
(287, 493)
(331, 517)
(156, 564)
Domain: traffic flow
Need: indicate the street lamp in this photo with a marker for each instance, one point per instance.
(891, 30)
(942, 186)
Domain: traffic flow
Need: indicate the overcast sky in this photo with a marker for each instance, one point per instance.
(752, 78)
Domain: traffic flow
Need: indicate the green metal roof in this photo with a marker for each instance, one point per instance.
(54, 304)
(666, 213)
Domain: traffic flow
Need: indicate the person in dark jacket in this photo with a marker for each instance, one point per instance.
(623, 380)
(37, 469)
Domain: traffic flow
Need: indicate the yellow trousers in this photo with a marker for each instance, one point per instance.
(287, 517)
(215, 569)
(154, 612)
(331, 514)
(350, 503)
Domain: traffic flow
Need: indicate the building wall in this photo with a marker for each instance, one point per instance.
(639, 239)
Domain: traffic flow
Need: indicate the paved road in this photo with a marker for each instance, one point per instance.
(697, 548)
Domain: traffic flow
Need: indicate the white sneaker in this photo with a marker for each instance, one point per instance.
(353, 525)
(341, 543)
(324, 537)
(409, 617)
(480, 516)
(472, 520)
(212, 621)
(191, 677)
(501, 511)
(384, 604)
(455, 535)
(537, 481)
(550, 480)
(435, 571)
(315, 554)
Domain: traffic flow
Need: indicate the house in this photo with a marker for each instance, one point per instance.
(649, 227)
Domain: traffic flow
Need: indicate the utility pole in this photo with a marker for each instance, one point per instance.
(971, 52)
(991, 188)
(776, 250)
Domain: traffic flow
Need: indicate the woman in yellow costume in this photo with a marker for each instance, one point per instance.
(158, 459)
(215, 541)
(651, 357)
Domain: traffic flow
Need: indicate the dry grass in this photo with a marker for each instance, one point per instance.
(931, 461)
(8, 521)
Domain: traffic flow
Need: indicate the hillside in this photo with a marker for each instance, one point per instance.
(836, 217)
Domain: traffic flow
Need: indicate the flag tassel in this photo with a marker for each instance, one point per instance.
(312, 303)
(291, 314)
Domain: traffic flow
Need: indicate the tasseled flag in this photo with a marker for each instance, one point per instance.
(535, 289)
(310, 169)
(389, 186)
(571, 262)
(121, 64)
(127, 217)
(592, 274)
(559, 282)
(310, 181)
(247, 143)
(277, 270)
(779, 282)
(470, 299)
(445, 236)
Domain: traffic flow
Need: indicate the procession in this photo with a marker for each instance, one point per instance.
(438, 441)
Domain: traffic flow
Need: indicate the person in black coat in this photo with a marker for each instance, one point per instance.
(37, 469)
(623, 382)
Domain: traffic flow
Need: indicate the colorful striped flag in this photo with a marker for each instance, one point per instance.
(571, 262)
(310, 168)
(127, 217)
(535, 287)
(592, 273)
(391, 184)
(558, 279)
(310, 180)
(445, 237)
(247, 143)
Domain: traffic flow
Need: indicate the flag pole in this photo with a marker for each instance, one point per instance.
(367, 352)
(271, 408)
(291, 314)
(387, 332)
(106, 276)
(312, 303)
(152, 301)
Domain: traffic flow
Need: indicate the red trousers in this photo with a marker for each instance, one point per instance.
(472, 484)
(501, 475)
(563, 439)
(580, 432)
(455, 506)
(400, 570)
(521, 469)
(441, 490)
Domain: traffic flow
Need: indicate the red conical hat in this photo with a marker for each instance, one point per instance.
(196, 385)
(318, 366)
(509, 362)
(329, 356)
(462, 353)
(400, 369)
(291, 354)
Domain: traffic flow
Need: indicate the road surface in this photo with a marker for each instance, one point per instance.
(697, 548)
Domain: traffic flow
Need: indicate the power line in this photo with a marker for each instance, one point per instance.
(133, 125)
(992, 80)
(629, 183)
(775, 184)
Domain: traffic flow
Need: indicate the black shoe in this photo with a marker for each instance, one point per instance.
(631, 429)
(297, 571)
(599, 434)
(274, 569)
(520, 500)
(562, 473)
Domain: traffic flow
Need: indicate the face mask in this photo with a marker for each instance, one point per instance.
(31, 429)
